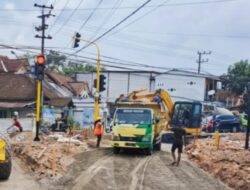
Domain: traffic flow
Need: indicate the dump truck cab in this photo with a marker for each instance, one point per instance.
(133, 128)
(138, 125)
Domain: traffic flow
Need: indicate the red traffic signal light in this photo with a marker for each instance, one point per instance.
(40, 59)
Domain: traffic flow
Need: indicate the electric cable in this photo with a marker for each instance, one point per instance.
(90, 16)
(68, 19)
(115, 26)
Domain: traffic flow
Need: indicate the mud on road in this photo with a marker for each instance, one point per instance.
(101, 169)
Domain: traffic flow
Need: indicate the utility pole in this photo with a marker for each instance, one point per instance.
(40, 64)
(200, 60)
(248, 113)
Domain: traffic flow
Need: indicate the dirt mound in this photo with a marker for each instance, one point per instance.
(54, 153)
(230, 163)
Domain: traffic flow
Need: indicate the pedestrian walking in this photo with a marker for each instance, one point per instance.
(98, 131)
(179, 134)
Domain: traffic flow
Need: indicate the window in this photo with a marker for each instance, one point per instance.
(133, 116)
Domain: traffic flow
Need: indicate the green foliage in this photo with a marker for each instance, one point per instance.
(54, 60)
(75, 68)
(58, 62)
(238, 75)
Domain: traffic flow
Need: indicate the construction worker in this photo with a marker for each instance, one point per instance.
(98, 130)
(177, 144)
(16, 125)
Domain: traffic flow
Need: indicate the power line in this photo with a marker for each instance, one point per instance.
(57, 18)
(139, 18)
(116, 25)
(131, 7)
(68, 19)
(91, 14)
(107, 18)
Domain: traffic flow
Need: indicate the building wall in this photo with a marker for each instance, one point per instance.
(182, 87)
(118, 83)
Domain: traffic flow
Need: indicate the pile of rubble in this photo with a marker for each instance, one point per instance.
(230, 161)
(52, 154)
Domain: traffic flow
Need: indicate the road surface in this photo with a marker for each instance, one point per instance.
(101, 169)
(19, 180)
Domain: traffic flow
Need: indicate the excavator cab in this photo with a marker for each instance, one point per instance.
(187, 115)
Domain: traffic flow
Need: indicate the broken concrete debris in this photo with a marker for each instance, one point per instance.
(52, 155)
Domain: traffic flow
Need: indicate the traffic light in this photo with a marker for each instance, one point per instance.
(77, 40)
(102, 83)
(40, 66)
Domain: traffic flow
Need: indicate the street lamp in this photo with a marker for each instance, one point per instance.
(14, 53)
(77, 39)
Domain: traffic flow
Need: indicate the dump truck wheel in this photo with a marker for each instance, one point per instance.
(116, 150)
(157, 146)
(5, 168)
(149, 151)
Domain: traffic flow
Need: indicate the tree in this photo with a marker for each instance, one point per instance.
(76, 68)
(238, 75)
(55, 60)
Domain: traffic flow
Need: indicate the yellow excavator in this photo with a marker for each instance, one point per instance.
(141, 117)
(5, 158)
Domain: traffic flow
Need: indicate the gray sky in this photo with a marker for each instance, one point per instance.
(169, 36)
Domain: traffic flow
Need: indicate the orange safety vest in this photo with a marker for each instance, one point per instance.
(98, 130)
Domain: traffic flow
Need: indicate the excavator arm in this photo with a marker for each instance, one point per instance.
(160, 96)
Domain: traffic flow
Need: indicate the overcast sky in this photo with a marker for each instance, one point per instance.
(169, 36)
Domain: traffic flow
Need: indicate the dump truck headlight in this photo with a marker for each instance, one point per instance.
(146, 138)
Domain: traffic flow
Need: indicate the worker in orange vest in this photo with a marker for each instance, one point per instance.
(98, 130)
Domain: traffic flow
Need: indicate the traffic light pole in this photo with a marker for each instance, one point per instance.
(98, 70)
(39, 93)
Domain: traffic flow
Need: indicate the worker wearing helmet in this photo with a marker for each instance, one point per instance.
(98, 130)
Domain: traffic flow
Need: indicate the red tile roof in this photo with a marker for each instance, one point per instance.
(14, 87)
(19, 87)
(78, 87)
(12, 65)
(60, 102)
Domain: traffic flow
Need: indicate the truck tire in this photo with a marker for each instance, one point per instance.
(157, 143)
(116, 150)
(5, 168)
(157, 146)
(149, 151)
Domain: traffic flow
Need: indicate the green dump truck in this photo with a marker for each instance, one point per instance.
(141, 117)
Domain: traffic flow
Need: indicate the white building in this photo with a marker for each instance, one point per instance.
(181, 85)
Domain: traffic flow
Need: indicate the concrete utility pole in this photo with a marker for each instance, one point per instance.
(248, 112)
(40, 67)
(200, 60)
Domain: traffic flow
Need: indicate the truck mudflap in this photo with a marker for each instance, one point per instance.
(129, 144)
